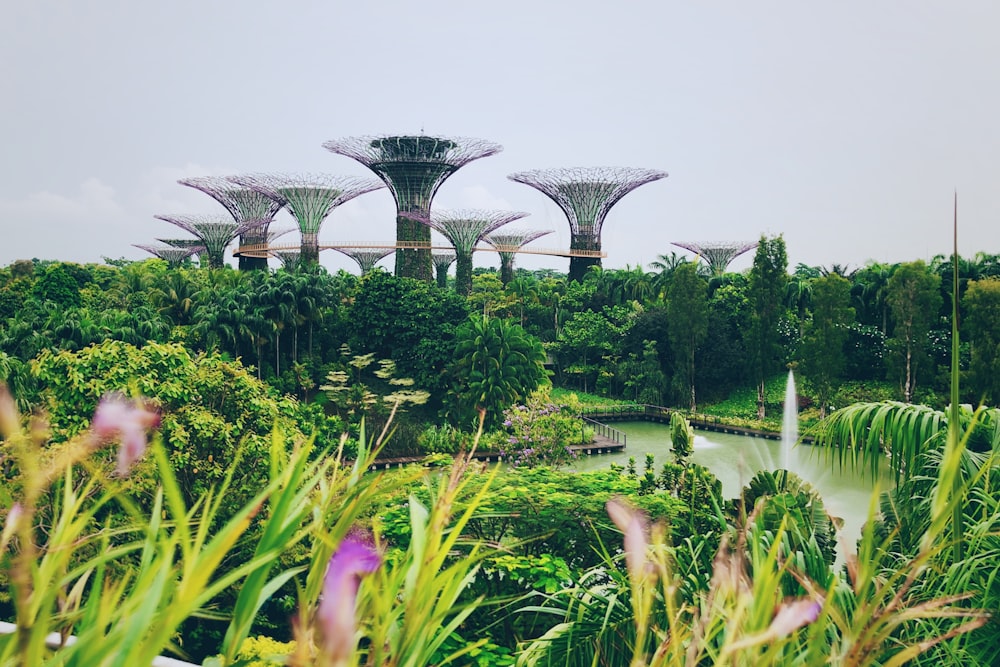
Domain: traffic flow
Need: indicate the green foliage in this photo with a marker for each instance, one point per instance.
(768, 278)
(914, 297)
(681, 438)
(687, 309)
(495, 364)
(822, 348)
(409, 321)
(981, 305)
(540, 432)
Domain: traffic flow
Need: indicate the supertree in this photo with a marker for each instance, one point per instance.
(464, 229)
(413, 167)
(585, 195)
(171, 254)
(244, 204)
(189, 243)
(442, 260)
(508, 244)
(215, 233)
(366, 258)
(262, 247)
(289, 258)
(310, 198)
(717, 255)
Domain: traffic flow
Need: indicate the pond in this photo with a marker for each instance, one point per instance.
(734, 459)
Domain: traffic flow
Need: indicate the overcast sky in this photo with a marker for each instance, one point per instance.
(845, 126)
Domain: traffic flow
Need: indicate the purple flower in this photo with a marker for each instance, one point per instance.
(354, 558)
(635, 526)
(126, 420)
(793, 615)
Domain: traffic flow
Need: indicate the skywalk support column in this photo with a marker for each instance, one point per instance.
(413, 167)
(586, 194)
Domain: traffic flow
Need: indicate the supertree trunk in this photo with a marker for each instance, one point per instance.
(578, 266)
(463, 274)
(414, 262)
(309, 249)
(506, 268)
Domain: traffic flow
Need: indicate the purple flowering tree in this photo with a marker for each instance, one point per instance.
(539, 432)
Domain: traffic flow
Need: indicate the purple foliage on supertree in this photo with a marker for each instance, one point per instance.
(243, 203)
(718, 255)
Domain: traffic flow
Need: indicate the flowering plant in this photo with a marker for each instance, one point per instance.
(540, 433)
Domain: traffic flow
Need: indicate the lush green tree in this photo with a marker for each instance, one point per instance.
(588, 337)
(409, 321)
(981, 305)
(768, 280)
(821, 355)
(495, 364)
(57, 284)
(914, 298)
(687, 311)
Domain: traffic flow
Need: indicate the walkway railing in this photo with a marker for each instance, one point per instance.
(604, 430)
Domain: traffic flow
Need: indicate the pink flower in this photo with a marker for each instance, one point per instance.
(635, 526)
(793, 615)
(127, 420)
(354, 559)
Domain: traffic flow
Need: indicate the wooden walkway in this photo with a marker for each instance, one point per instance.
(264, 250)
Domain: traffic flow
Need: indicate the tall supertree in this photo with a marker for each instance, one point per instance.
(413, 167)
(171, 254)
(464, 229)
(719, 255)
(244, 204)
(509, 244)
(215, 233)
(585, 195)
(310, 198)
(366, 258)
(442, 260)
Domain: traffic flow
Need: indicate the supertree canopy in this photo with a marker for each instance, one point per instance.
(442, 260)
(172, 254)
(585, 195)
(508, 244)
(464, 229)
(289, 258)
(189, 243)
(718, 256)
(309, 198)
(413, 167)
(366, 258)
(243, 204)
(215, 233)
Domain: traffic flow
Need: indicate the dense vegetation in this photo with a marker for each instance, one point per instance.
(241, 365)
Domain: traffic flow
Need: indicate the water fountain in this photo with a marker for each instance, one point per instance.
(789, 422)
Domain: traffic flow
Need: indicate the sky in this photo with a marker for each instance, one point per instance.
(846, 127)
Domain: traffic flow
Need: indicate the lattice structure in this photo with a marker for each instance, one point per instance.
(172, 254)
(464, 229)
(507, 245)
(413, 167)
(215, 233)
(717, 255)
(585, 195)
(366, 259)
(442, 261)
(189, 243)
(244, 204)
(310, 198)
